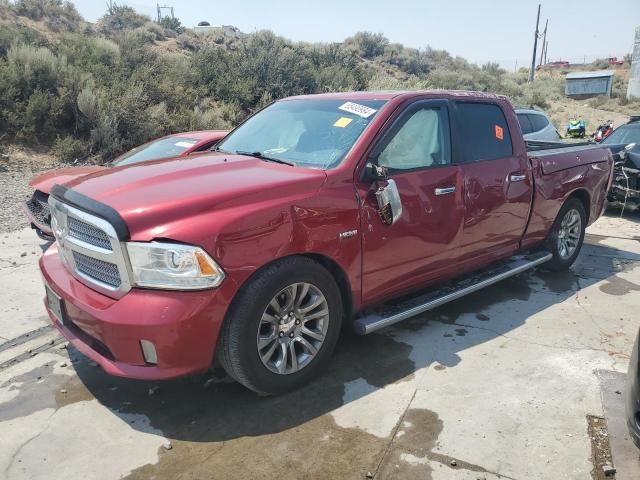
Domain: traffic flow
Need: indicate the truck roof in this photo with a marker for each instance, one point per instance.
(390, 94)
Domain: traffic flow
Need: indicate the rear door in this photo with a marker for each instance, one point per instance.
(497, 186)
(421, 245)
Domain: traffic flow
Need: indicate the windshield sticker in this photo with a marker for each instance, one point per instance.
(499, 132)
(360, 110)
(343, 122)
(271, 151)
(184, 144)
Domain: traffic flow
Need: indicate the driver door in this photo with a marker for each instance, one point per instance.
(420, 245)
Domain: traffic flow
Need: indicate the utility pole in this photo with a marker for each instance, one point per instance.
(166, 7)
(544, 42)
(532, 72)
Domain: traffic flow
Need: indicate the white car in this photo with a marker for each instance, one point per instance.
(536, 125)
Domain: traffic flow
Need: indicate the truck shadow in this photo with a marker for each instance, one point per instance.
(199, 410)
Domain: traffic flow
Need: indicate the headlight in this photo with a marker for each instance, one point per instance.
(172, 266)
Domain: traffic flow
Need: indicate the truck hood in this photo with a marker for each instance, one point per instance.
(157, 199)
(46, 180)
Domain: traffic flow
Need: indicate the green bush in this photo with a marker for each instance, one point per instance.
(120, 19)
(69, 149)
(172, 23)
(367, 44)
(84, 89)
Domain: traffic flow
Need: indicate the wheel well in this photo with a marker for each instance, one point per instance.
(331, 266)
(340, 278)
(583, 196)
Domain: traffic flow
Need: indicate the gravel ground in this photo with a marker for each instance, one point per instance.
(17, 167)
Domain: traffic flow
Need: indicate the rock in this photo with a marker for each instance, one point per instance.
(453, 463)
(23, 254)
(167, 445)
(369, 475)
(63, 364)
(62, 346)
(608, 470)
(51, 342)
(153, 390)
(63, 391)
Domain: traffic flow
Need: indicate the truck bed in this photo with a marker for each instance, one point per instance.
(554, 157)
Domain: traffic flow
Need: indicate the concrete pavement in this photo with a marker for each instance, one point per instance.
(495, 385)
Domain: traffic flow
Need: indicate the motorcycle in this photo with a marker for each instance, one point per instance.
(576, 128)
(603, 131)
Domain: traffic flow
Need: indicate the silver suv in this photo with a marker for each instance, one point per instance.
(536, 125)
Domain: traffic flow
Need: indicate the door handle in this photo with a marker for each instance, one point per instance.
(517, 177)
(444, 190)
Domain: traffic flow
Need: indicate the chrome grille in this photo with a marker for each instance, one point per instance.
(39, 208)
(88, 234)
(104, 272)
(90, 249)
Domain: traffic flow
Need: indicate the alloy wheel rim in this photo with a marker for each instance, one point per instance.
(569, 233)
(293, 328)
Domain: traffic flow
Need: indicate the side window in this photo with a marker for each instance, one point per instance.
(484, 134)
(525, 123)
(421, 141)
(539, 122)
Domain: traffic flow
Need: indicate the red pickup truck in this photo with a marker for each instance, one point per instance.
(317, 211)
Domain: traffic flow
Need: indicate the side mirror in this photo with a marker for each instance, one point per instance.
(389, 202)
(376, 172)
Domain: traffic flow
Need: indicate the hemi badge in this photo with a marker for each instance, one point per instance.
(348, 234)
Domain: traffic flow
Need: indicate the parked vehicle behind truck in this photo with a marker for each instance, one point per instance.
(624, 144)
(178, 144)
(317, 211)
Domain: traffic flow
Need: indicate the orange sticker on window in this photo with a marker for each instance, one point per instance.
(499, 132)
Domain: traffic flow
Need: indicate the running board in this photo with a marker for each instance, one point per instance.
(394, 313)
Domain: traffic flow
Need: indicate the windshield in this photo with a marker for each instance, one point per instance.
(624, 134)
(162, 148)
(312, 133)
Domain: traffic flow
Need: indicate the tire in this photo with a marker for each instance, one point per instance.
(563, 258)
(250, 321)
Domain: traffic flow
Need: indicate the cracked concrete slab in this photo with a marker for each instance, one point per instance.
(495, 385)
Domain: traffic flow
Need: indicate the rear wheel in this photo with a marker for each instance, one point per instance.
(566, 236)
(283, 326)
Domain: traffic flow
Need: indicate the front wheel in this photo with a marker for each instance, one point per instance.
(566, 236)
(283, 326)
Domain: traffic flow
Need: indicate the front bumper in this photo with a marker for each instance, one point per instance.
(632, 393)
(183, 326)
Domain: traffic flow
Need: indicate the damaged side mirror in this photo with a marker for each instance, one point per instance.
(389, 203)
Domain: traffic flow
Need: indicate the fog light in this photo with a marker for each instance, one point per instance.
(149, 352)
